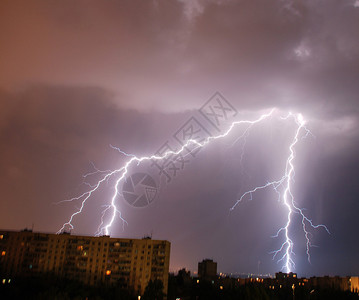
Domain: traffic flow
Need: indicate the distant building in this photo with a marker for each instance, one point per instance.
(128, 263)
(286, 279)
(354, 284)
(327, 282)
(207, 269)
(348, 283)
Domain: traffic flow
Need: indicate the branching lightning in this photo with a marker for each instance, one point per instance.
(286, 249)
(285, 182)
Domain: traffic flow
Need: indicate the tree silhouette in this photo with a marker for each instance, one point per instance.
(153, 290)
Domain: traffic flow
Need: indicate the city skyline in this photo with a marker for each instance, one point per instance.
(81, 81)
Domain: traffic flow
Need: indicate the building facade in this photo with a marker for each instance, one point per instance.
(127, 263)
(207, 269)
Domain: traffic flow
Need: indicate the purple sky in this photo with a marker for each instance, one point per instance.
(77, 76)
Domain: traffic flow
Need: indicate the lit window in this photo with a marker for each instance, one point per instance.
(108, 272)
(80, 248)
(3, 253)
(221, 287)
(1, 236)
(4, 281)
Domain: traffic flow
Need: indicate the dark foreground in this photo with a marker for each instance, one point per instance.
(48, 287)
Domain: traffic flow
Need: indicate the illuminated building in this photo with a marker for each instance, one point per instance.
(207, 269)
(347, 283)
(127, 263)
(354, 284)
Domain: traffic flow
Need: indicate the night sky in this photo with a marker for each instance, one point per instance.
(79, 76)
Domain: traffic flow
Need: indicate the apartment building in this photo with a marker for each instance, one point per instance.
(207, 269)
(128, 263)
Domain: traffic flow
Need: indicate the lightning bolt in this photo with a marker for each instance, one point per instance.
(285, 251)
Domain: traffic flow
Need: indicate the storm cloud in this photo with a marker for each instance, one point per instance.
(77, 77)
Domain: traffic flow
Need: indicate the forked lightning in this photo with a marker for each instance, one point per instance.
(284, 253)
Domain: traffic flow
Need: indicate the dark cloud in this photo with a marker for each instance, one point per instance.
(78, 76)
